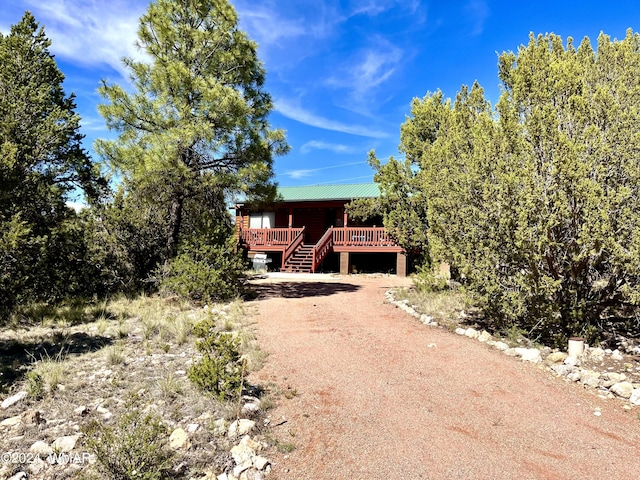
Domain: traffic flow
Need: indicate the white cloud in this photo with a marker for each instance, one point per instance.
(318, 145)
(295, 112)
(368, 68)
(478, 12)
(302, 173)
(89, 32)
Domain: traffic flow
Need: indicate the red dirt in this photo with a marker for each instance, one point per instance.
(377, 400)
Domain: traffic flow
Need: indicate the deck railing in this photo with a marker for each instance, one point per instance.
(269, 236)
(322, 248)
(295, 243)
(362, 237)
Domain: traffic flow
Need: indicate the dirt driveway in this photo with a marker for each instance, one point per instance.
(380, 396)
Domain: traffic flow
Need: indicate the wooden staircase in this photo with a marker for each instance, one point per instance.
(301, 260)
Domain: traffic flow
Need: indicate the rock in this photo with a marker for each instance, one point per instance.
(501, 346)
(7, 402)
(242, 455)
(64, 444)
(247, 441)
(238, 470)
(18, 476)
(615, 377)
(573, 361)
(635, 396)
(37, 466)
(460, 331)
(616, 355)
(555, 357)
(590, 378)
(529, 354)
(426, 319)
(596, 354)
(562, 370)
(575, 375)
(220, 427)
(41, 447)
(471, 333)
(82, 410)
(484, 336)
(32, 417)
(251, 474)
(250, 409)
(11, 421)
(511, 352)
(260, 462)
(241, 427)
(193, 427)
(622, 389)
(179, 439)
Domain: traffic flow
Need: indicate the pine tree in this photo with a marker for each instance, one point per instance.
(198, 118)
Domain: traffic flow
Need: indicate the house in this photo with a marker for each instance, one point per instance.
(308, 230)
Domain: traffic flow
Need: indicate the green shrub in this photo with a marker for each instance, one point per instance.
(133, 449)
(219, 372)
(207, 272)
(427, 279)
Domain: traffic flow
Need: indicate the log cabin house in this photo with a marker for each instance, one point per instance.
(308, 230)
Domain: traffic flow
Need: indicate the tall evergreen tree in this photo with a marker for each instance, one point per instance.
(41, 161)
(537, 201)
(198, 119)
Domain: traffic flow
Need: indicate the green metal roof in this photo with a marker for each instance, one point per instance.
(347, 191)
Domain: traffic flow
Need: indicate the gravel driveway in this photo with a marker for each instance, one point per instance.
(381, 396)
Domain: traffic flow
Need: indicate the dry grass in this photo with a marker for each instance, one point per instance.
(104, 354)
(447, 307)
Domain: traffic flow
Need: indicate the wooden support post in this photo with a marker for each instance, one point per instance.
(344, 263)
(401, 265)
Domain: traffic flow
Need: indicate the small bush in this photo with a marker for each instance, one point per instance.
(206, 273)
(133, 449)
(428, 279)
(219, 372)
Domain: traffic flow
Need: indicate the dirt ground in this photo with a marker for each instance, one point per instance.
(377, 395)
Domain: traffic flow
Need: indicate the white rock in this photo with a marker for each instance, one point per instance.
(65, 444)
(635, 396)
(179, 439)
(193, 427)
(511, 352)
(471, 333)
(590, 378)
(484, 336)
(239, 469)
(250, 409)
(242, 454)
(81, 410)
(260, 462)
(529, 354)
(241, 427)
(573, 361)
(460, 331)
(11, 421)
(614, 376)
(555, 357)
(18, 476)
(501, 346)
(7, 402)
(41, 447)
(616, 355)
(562, 370)
(623, 389)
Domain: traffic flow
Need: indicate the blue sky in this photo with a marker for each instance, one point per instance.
(342, 73)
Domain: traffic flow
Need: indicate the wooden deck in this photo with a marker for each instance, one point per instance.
(289, 241)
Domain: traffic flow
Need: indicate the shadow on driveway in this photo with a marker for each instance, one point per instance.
(263, 291)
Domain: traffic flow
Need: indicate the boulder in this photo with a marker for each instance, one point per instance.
(7, 402)
(622, 389)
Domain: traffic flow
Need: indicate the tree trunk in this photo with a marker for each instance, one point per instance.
(175, 220)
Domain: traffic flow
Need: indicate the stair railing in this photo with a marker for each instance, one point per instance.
(295, 243)
(322, 248)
